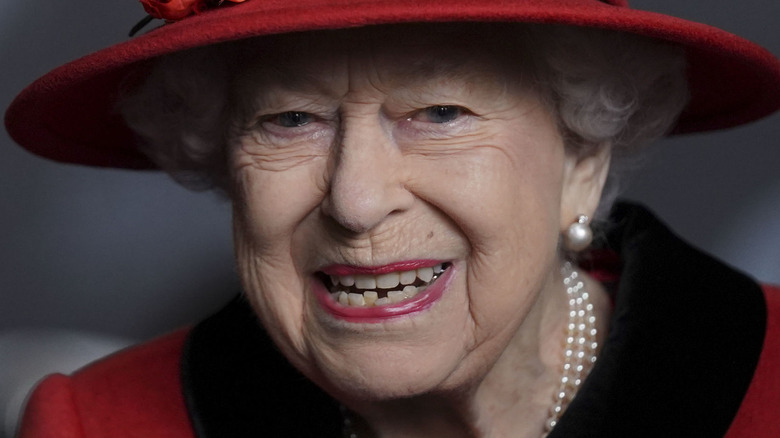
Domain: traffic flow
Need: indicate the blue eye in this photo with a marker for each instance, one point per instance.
(293, 119)
(442, 113)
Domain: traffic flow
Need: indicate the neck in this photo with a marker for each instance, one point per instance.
(512, 399)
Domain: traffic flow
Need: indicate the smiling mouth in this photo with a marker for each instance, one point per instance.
(362, 290)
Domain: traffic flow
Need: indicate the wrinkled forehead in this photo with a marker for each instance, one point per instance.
(398, 55)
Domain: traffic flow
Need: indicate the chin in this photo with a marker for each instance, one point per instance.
(389, 374)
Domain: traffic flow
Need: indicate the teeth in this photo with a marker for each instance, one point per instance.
(370, 297)
(396, 296)
(361, 290)
(346, 280)
(408, 277)
(425, 274)
(357, 300)
(365, 282)
(387, 281)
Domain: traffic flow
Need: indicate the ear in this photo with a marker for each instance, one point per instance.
(583, 181)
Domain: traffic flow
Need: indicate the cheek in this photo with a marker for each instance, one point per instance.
(505, 199)
(272, 203)
(498, 195)
(268, 208)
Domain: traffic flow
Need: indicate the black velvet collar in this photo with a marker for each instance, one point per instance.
(684, 339)
(237, 384)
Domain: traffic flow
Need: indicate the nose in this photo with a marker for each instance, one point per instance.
(367, 180)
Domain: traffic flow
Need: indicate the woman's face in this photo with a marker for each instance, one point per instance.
(375, 160)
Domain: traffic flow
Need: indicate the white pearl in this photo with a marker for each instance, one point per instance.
(578, 236)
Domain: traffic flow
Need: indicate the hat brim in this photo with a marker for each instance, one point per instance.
(69, 114)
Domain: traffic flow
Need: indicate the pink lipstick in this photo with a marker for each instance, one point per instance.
(377, 293)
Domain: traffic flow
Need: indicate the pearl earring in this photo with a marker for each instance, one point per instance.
(578, 235)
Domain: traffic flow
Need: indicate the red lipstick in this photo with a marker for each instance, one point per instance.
(406, 265)
(422, 301)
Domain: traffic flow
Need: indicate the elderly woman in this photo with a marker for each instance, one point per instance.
(414, 187)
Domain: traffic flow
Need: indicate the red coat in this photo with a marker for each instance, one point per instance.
(142, 392)
(137, 394)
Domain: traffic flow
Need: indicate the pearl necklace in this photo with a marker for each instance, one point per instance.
(581, 345)
(579, 351)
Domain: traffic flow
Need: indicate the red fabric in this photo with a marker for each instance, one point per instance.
(133, 394)
(759, 415)
(51, 412)
(603, 265)
(69, 115)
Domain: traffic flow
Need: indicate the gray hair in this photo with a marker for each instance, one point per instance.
(605, 88)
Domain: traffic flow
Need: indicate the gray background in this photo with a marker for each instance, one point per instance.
(131, 255)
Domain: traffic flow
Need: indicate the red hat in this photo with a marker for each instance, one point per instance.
(69, 114)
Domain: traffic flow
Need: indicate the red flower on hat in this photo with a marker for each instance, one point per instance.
(174, 10)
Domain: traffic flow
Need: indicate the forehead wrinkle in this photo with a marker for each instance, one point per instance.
(295, 78)
(425, 70)
(299, 62)
(414, 75)
(447, 55)
(415, 61)
(364, 72)
(266, 84)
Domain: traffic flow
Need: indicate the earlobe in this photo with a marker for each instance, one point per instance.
(583, 182)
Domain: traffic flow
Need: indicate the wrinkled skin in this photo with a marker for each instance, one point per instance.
(365, 148)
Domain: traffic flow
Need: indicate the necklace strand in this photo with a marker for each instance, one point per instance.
(580, 345)
(579, 353)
